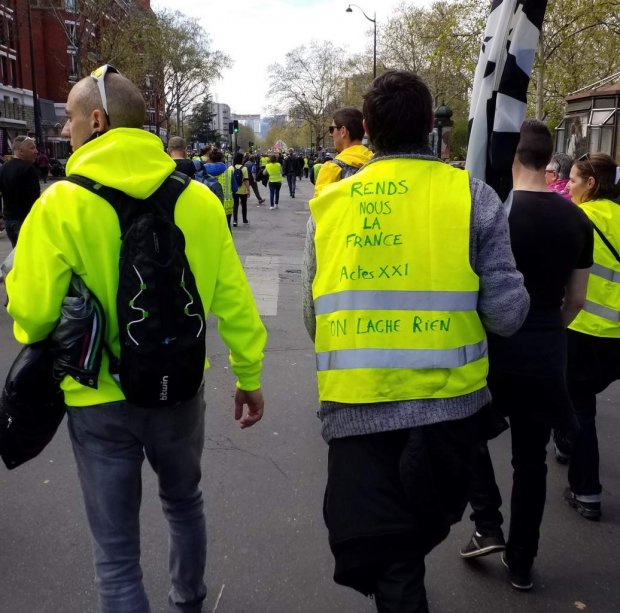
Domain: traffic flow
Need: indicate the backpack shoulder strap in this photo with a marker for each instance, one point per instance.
(163, 199)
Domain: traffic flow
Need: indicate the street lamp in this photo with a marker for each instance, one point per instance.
(374, 22)
(443, 116)
(35, 97)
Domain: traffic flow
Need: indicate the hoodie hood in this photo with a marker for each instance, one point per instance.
(215, 168)
(129, 159)
(357, 155)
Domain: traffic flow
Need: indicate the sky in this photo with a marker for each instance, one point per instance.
(257, 33)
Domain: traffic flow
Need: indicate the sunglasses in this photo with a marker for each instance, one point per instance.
(332, 128)
(99, 76)
(586, 158)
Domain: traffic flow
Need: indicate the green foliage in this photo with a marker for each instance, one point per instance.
(200, 124)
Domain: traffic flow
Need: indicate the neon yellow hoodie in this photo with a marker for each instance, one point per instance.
(357, 156)
(72, 230)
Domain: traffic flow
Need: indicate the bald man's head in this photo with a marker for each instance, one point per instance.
(126, 108)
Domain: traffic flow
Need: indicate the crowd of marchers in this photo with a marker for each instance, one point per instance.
(439, 317)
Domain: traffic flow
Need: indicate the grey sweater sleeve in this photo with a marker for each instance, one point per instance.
(308, 270)
(503, 301)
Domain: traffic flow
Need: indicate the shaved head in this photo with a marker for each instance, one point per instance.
(126, 107)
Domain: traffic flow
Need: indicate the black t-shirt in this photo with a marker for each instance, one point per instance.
(550, 238)
(186, 167)
(19, 184)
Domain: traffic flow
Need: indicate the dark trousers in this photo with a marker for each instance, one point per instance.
(12, 227)
(593, 364)
(274, 193)
(400, 588)
(243, 200)
(254, 187)
(291, 179)
(529, 487)
(391, 497)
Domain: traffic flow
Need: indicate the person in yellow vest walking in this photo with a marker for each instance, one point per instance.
(407, 264)
(594, 335)
(347, 131)
(273, 170)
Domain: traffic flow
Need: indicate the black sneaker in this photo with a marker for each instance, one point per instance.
(520, 578)
(234, 224)
(589, 510)
(483, 545)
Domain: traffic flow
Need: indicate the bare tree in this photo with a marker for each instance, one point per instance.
(309, 85)
(183, 62)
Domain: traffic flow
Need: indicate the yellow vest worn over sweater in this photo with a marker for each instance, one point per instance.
(600, 315)
(395, 296)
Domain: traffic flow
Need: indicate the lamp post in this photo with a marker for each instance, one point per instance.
(374, 22)
(35, 98)
(443, 120)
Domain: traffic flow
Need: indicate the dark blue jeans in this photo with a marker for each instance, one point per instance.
(110, 442)
(291, 179)
(274, 193)
(12, 227)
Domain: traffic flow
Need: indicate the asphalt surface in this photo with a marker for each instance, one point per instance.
(263, 487)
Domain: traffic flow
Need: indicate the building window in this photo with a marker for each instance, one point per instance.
(70, 6)
(12, 72)
(73, 65)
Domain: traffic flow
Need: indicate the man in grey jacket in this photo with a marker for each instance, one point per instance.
(400, 452)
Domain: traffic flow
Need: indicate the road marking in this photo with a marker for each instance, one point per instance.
(263, 274)
(218, 598)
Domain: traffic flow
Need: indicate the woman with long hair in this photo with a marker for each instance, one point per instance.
(594, 335)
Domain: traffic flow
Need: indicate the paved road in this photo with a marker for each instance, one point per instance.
(263, 488)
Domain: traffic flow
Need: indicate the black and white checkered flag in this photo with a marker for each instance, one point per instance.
(499, 96)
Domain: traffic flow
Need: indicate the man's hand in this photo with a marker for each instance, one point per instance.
(256, 405)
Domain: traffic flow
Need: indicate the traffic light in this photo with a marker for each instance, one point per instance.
(230, 127)
(235, 126)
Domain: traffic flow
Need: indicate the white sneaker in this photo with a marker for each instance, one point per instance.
(271, 208)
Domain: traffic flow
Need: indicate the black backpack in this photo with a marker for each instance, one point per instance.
(238, 175)
(161, 320)
(346, 169)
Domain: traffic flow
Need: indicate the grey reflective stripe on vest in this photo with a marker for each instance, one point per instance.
(601, 311)
(606, 273)
(400, 358)
(365, 300)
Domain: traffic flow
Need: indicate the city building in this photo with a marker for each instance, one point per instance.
(40, 60)
(251, 121)
(221, 118)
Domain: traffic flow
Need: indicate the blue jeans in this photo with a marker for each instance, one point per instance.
(291, 179)
(274, 193)
(12, 227)
(110, 442)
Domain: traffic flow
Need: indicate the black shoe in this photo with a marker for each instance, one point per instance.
(292, 195)
(520, 578)
(483, 545)
(589, 510)
(245, 221)
(234, 224)
(261, 201)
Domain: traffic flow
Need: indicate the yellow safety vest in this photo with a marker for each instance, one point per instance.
(395, 295)
(275, 172)
(600, 315)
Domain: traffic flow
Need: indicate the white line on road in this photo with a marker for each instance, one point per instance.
(218, 597)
